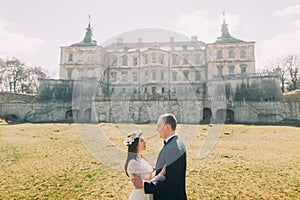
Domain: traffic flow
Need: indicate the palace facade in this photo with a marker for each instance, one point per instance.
(137, 81)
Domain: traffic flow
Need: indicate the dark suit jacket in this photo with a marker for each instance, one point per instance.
(173, 155)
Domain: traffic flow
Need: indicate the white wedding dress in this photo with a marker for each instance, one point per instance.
(144, 170)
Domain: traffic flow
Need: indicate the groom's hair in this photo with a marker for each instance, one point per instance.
(170, 119)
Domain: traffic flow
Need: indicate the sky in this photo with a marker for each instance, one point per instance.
(33, 30)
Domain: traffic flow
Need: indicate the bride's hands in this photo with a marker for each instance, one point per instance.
(163, 171)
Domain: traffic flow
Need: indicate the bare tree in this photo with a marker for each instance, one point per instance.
(289, 72)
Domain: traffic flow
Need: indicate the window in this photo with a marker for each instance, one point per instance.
(134, 76)
(154, 75)
(153, 57)
(220, 70)
(135, 61)
(70, 73)
(146, 59)
(185, 59)
(162, 90)
(243, 53)
(174, 59)
(231, 70)
(162, 75)
(174, 90)
(186, 75)
(146, 75)
(161, 59)
(243, 70)
(219, 54)
(174, 76)
(153, 90)
(114, 61)
(197, 59)
(145, 90)
(125, 60)
(124, 76)
(231, 53)
(197, 76)
(70, 57)
(114, 76)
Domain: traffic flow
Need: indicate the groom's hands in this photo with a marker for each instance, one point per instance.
(137, 182)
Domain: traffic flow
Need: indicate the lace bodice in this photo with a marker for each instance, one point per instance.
(140, 167)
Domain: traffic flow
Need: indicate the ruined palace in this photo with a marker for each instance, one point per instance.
(137, 81)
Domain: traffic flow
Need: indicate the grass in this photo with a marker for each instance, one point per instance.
(49, 161)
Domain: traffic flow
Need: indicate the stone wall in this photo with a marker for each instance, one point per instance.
(6, 97)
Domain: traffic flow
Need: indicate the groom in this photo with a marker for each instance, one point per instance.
(173, 155)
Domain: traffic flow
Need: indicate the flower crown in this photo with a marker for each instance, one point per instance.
(130, 138)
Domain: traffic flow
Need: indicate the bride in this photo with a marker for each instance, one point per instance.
(137, 164)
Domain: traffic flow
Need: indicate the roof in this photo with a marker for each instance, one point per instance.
(226, 37)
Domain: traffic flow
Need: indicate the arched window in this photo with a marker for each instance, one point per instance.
(114, 76)
(124, 60)
(70, 71)
(70, 57)
(220, 70)
(197, 76)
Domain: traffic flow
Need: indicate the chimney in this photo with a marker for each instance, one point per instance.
(194, 38)
(119, 40)
(171, 39)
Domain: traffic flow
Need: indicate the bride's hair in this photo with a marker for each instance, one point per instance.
(132, 142)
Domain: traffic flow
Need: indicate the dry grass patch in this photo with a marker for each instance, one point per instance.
(49, 161)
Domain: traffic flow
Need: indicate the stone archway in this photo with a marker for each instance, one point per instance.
(72, 114)
(207, 115)
(88, 115)
(225, 115)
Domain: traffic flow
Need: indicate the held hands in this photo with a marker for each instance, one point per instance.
(163, 171)
(137, 181)
(161, 175)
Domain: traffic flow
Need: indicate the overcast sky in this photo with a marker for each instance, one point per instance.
(34, 30)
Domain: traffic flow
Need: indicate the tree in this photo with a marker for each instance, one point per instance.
(293, 64)
(288, 68)
(17, 74)
(17, 77)
(33, 76)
